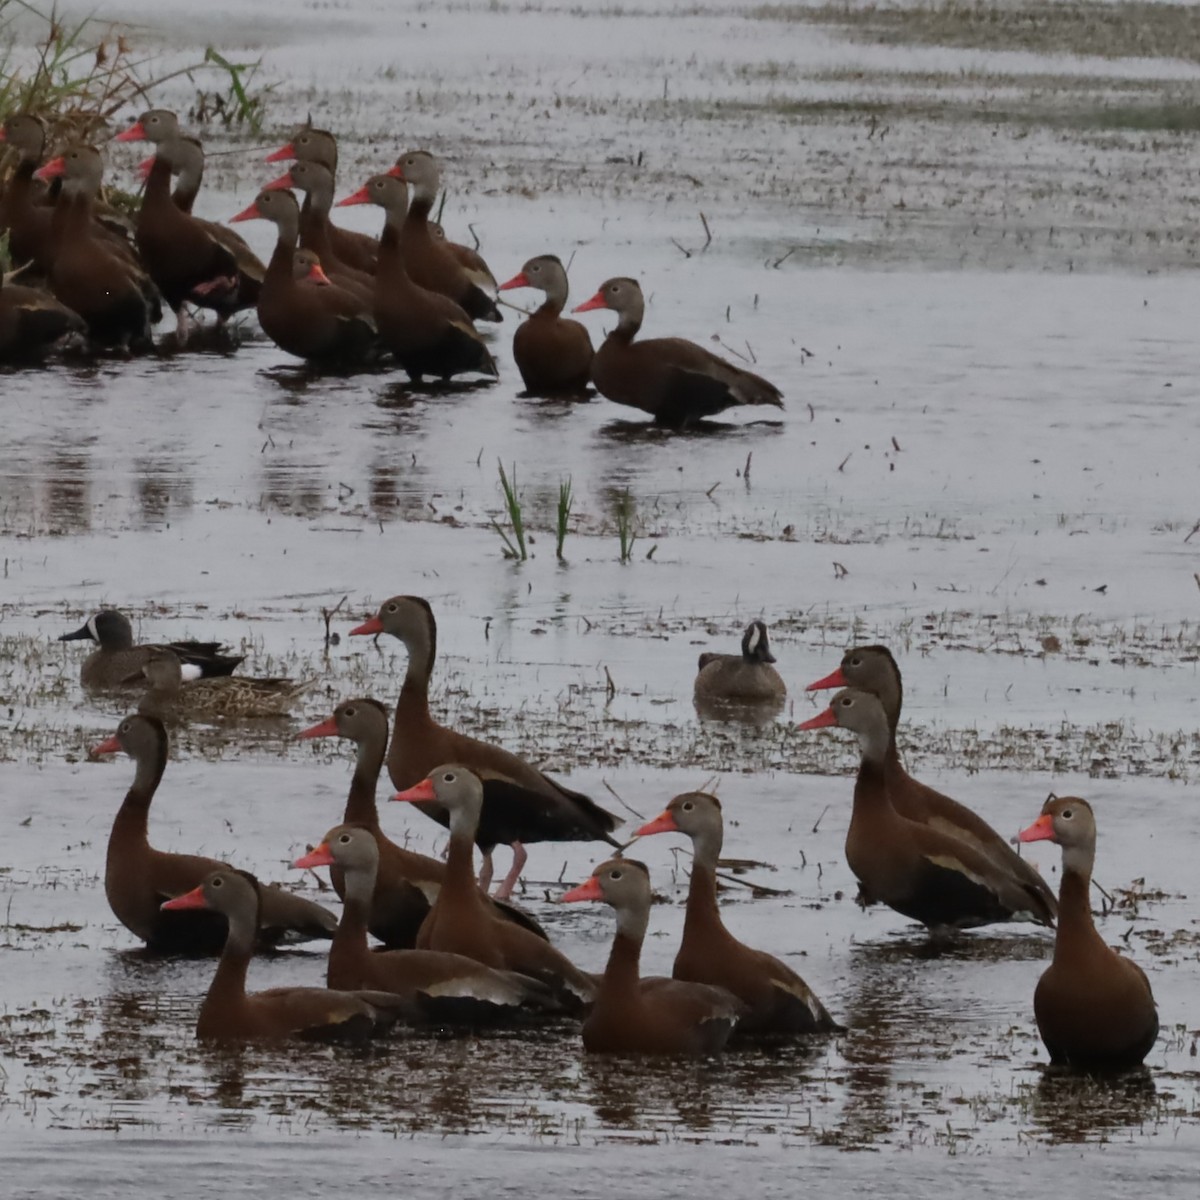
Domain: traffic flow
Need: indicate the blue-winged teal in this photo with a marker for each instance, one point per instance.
(230, 697)
(118, 662)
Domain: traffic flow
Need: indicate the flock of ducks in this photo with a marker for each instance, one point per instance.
(452, 954)
(333, 297)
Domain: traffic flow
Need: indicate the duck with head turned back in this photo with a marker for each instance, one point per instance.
(406, 883)
(633, 1015)
(553, 354)
(520, 803)
(921, 872)
(1094, 1007)
(426, 331)
(746, 678)
(326, 325)
(447, 988)
(138, 878)
(873, 669)
(429, 262)
(675, 381)
(230, 1014)
(116, 299)
(461, 921)
(778, 1000)
(117, 662)
(472, 261)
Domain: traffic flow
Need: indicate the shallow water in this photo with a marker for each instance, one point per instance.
(987, 461)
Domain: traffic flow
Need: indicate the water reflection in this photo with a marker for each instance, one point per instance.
(161, 491)
(1073, 1108)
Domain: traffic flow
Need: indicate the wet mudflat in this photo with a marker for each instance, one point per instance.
(989, 467)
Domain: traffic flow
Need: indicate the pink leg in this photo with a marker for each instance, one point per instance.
(505, 890)
(485, 872)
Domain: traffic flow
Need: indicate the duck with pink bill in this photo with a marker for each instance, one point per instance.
(635, 1015)
(1094, 1007)
(778, 1000)
(873, 669)
(920, 871)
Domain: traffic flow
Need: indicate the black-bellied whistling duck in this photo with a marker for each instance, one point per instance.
(1094, 1007)
(461, 921)
(778, 1000)
(32, 322)
(873, 669)
(632, 1015)
(138, 878)
(406, 883)
(520, 803)
(357, 250)
(675, 381)
(430, 263)
(230, 1014)
(746, 678)
(426, 331)
(315, 180)
(553, 353)
(23, 211)
(921, 872)
(445, 987)
(116, 661)
(321, 324)
(472, 261)
(117, 300)
(188, 262)
(171, 698)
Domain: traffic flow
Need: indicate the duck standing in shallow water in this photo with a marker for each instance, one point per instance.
(675, 381)
(1094, 1007)
(554, 354)
(746, 678)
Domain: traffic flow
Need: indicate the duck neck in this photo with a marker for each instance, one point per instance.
(630, 321)
(870, 792)
(1076, 929)
(129, 829)
(624, 959)
(391, 250)
(361, 808)
(460, 858)
(702, 905)
(158, 186)
(288, 227)
(422, 652)
(228, 988)
(419, 207)
(556, 296)
(350, 940)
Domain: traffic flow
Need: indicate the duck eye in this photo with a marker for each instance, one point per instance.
(218, 882)
(448, 777)
(344, 839)
(688, 806)
(615, 874)
(1066, 814)
(856, 662)
(391, 608)
(349, 712)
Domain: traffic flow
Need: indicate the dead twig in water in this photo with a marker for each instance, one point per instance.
(682, 249)
(610, 688)
(1195, 530)
(817, 822)
(331, 638)
(782, 259)
(707, 233)
(621, 800)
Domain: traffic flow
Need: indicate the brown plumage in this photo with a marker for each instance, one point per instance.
(921, 872)
(447, 988)
(461, 921)
(777, 999)
(406, 883)
(171, 698)
(323, 324)
(426, 331)
(520, 803)
(430, 263)
(33, 322)
(675, 381)
(1094, 1007)
(315, 180)
(355, 249)
(632, 1015)
(553, 353)
(138, 878)
(873, 669)
(117, 662)
(472, 261)
(24, 212)
(746, 678)
(230, 1014)
(88, 273)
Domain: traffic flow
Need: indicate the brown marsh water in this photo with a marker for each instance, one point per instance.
(987, 460)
